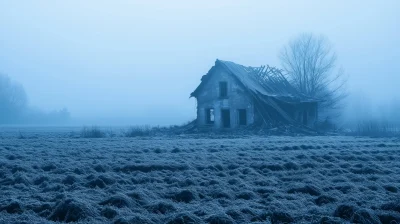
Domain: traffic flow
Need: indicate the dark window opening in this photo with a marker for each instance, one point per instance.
(223, 89)
(242, 117)
(210, 116)
(312, 111)
(226, 118)
(299, 117)
(305, 118)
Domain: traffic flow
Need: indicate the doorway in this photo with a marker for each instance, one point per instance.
(242, 117)
(226, 118)
(305, 118)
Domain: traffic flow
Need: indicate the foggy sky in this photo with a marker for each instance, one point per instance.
(138, 61)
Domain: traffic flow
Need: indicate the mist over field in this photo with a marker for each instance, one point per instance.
(199, 112)
(133, 62)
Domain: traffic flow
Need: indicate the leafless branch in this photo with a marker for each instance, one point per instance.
(310, 64)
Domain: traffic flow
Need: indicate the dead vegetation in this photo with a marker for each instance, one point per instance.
(139, 131)
(375, 128)
(206, 180)
(190, 129)
(92, 132)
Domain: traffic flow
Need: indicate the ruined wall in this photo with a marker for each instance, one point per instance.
(303, 113)
(311, 111)
(237, 98)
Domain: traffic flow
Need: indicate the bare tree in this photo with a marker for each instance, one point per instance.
(14, 108)
(13, 100)
(311, 66)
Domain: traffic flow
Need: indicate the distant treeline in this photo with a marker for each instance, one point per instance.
(15, 109)
(364, 116)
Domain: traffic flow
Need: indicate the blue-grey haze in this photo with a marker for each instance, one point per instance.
(137, 61)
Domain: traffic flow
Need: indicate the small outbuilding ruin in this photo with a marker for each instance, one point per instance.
(232, 95)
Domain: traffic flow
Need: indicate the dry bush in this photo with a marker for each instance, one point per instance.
(92, 132)
(139, 131)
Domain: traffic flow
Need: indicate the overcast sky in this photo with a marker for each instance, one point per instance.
(140, 60)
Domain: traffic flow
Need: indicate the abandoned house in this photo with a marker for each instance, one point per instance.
(232, 95)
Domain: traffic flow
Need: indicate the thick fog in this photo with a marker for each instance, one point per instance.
(136, 62)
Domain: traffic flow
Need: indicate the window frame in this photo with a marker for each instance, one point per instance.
(210, 115)
(223, 89)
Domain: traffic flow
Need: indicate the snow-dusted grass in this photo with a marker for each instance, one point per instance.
(57, 176)
(138, 131)
(92, 132)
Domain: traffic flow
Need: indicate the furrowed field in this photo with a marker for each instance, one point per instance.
(53, 175)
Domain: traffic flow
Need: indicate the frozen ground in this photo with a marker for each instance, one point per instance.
(53, 175)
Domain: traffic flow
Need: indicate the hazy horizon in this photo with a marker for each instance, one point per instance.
(137, 62)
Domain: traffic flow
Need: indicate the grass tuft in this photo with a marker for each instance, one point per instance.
(92, 132)
(139, 131)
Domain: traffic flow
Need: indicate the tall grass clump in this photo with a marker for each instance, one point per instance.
(375, 128)
(139, 131)
(92, 132)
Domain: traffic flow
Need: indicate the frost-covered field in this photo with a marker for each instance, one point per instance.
(53, 175)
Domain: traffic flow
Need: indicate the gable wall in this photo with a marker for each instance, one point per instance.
(208, 97)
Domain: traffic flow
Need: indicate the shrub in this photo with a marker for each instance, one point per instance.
(93, 132)
(139, 131)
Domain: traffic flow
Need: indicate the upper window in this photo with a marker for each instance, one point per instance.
(223, 89)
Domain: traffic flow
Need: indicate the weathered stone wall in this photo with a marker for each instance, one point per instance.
(237, 98)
